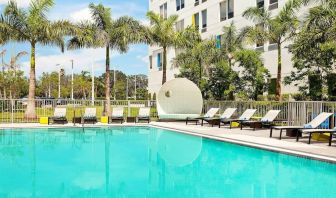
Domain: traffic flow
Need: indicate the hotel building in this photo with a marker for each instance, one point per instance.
(210, 16)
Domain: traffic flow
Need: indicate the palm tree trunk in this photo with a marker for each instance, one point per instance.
(30, 112)
(107, 84)
(278, 81)
(164, 67)
(200, 73)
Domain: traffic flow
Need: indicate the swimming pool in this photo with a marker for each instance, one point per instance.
(150, 162)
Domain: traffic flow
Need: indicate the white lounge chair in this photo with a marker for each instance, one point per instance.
(117, 114)
(268, 119)
(331, 132)
(90, 116)
(144, 115)
(247, 115)
(59, 116)
(210, 114)
(316, 122)
(227, 114)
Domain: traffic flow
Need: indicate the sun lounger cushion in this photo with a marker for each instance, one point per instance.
(118, 112)
(60, 112)
(144, 112)
(211, 113)
(228, 113)
(90, 113)
(308, 126)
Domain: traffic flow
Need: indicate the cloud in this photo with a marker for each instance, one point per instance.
(21, 3)
(81, 15)
(143, 59)
(83, 60)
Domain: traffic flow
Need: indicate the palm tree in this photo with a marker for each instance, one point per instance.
(203, 53)
(231, 41)
(32, 25)
(162, 33)
(278, 29)
(108, 33)
(12, 67)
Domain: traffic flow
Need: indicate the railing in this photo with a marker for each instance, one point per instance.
(293, 113)
(13, 111)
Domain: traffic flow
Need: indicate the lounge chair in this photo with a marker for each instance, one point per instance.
(89, 116)
(59, 116)
(268, 120)
(117, 114)
(312, 131)
(210, 114)
(144, 115)
(316, 122)
(222, 119)
(247, 115)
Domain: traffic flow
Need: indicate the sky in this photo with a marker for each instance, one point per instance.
(135, 61)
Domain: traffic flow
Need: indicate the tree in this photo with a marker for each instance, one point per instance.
(314, 50)
(12, 67)
(110, 34)
(162, 33)
(201, 55)
(32, 25)
(223, 81)
(231, 41)
(277, 29)
(254, 74)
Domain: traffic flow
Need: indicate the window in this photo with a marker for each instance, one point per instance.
(163, 11)
(159, 61)
(179, 5)
(196, 2)
(218, 41)
(260, 3)
(204, 20)
(195, 21)
(273, 4)
(226, 10)
(231, 9)
(150, 62)
(179, 25)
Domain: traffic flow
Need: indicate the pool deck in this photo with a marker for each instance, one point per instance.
(247, 137)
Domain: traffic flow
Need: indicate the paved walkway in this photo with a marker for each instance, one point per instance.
(258, 138)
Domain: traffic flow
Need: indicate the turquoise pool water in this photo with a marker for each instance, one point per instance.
(150, 162)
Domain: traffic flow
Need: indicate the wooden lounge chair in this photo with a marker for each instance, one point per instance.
(59, 116)
(268, 120)
(316, 122)
(210, 114)
(89, 116)
(331, 132)
(144, 115)
(225, 116)
(117, 114)
(247, 115)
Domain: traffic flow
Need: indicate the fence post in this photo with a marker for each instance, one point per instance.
(129, 108)
(12, 111)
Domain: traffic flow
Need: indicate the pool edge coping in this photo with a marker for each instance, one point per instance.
(276, 149)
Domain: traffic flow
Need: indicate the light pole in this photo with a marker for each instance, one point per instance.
(59, 80)
(72, 78)
(126, 87)
(92, 86)
(135, 86)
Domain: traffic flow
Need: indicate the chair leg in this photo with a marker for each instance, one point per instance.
(219, 125)
(230, 125)
(241, 125)
(280, 133)
(271, 131)
(330, 138)
(202, 123)
(310, 136)
(297, 136)
(187, 121)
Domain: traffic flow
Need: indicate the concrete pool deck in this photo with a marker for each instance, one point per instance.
(259, 138)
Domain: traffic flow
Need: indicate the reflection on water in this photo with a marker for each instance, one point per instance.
(149, 162)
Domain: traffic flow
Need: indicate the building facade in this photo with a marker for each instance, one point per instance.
(210, 16)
